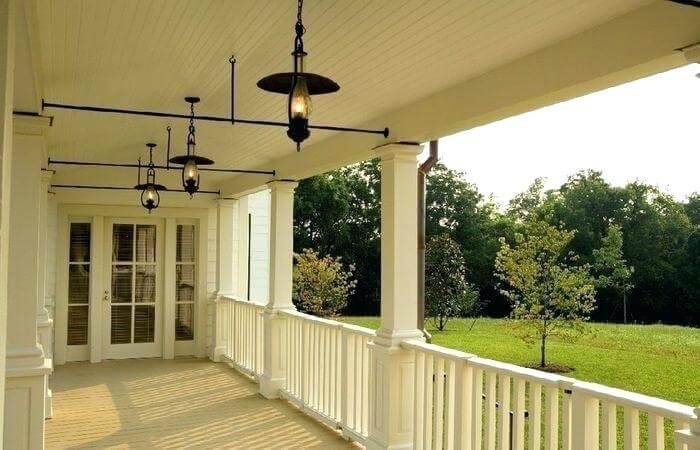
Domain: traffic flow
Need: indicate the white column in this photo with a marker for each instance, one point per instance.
(7, 69)
(99, 289)
(242, 257)
(43, 319)
(391, 379)
(225, 276)
(26, 367)
(169, 293)
(689, 438)
(280, 298)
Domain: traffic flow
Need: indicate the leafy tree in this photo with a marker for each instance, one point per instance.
(525, 205)
(321, 285)
(611, 269)
(549, 295)
(448, 294)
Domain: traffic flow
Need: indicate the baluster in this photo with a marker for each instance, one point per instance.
(478, 410)
(656, 432)
(584, 421)
(518, 433)
(504, 412)
(439, 397)
(490, 410)
(631, 427)
(463, 392)
(551, 418)
(345, 388)
(450, 404)
(418, 393)
(608, 426)
(534, 427)
(365, 384)
(357, 342)
(566, 420)
(428, 402)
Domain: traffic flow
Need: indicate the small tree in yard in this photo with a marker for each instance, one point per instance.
(611, 268)
(448, 294)
(321, 284)
(549, 295)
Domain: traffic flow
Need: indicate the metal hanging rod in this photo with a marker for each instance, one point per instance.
(232, 120)
(128, 165)
(120, 188)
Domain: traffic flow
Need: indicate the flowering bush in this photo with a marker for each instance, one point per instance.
(321, 284)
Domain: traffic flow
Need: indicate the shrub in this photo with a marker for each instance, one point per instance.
(321, 284)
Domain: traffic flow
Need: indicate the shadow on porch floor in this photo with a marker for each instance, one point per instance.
(182, 403)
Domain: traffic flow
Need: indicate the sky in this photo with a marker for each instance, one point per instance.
(647, 130)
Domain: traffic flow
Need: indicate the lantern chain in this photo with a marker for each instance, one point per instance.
(300, 30)
(190, 135)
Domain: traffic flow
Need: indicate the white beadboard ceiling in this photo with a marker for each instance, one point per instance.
(149, 54)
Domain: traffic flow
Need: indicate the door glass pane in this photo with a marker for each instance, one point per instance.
(123, 242)
(145, 243)
(77, 325)
(121, 324)
(144, 323)
(78, 283)
(121, 284)
(79, 242)
(184, 276)
(185, 243)
(184, 322)
(145, 284)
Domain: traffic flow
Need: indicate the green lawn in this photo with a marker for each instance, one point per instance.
(658, 360)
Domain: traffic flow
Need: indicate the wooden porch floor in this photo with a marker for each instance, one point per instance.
(182, 403)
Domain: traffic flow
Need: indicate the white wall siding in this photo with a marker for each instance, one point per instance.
(259, 208)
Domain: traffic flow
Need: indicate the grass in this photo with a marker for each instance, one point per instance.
(658, 360)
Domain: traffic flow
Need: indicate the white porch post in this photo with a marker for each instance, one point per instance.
(7, 69)
(44, 322)
(280, 298)
(27, 368)
(391, 369)
(225, 276)
(690, 436)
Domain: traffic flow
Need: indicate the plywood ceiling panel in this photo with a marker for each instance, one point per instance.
(149, 54)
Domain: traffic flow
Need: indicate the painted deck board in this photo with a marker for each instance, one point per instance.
(182, 403)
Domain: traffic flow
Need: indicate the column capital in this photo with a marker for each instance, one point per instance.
(399, 151)
(283, 185)
(30, 125)
(226, 202)
(46, 176)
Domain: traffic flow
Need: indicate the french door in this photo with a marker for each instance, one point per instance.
(132, 324)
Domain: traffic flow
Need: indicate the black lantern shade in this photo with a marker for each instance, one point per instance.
(150, 196)
(299, 86)
(190, 161)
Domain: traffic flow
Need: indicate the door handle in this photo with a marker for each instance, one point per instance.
(106, 296)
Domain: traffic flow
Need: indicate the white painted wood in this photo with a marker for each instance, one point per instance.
(631, 429)
(566, 417)
(656, 432)
(169, 280)
(428, 401)
(259, 210)
(551, 418)
(584, 425)
(490, 407)
(504, 412)
(534, 427)
(518, 437)
(608, 425)
(438, 403)
(477, 415)
(418, 395)
(99, 284)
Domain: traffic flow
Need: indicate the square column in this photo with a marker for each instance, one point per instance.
(391, 367)
(280, 298)
(8, 14)
(226, 277)
(44, 321)
(26, 366)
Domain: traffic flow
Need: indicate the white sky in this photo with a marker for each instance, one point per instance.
(645, 130)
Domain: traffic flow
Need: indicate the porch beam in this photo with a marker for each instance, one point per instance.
(280, 297)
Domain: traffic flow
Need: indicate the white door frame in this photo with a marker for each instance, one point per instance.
(98, 214)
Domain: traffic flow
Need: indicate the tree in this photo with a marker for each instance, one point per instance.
(610, 267)
(321, 285)
(549, 295)
(448, 294)
(526, 204)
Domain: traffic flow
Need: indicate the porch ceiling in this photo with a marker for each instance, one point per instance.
(386, 56)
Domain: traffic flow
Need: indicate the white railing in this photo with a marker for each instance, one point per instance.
(242, 323)
(327, 371)
(463, 401)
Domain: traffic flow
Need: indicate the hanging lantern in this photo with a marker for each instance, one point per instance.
(150, 197)
(299, 86)
(191, 161)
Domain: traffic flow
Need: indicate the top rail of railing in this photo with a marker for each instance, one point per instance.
(329, 323)
(665, 408)
(235, 298)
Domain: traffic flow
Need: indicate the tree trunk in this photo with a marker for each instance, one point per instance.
(624, 308)
(542, 352)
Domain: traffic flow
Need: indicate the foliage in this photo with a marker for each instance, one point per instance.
(448, 294)
(610, 267)
(549, 295)
(321, 285)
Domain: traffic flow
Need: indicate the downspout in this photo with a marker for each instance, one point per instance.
(423, 170)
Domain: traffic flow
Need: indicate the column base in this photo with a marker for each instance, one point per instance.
(270, 387)
(218, 354)
(48, 403)
(25, 402)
